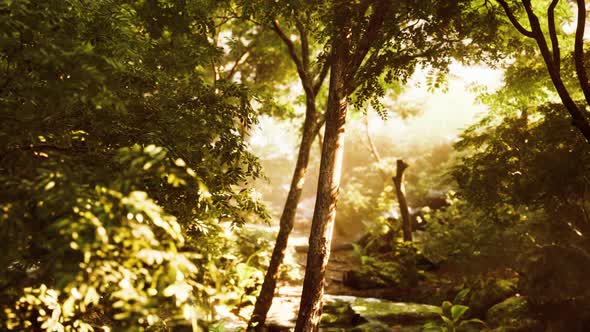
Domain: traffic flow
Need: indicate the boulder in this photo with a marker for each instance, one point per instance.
(379, 275)
(363, 279)
(395, 312)
(488, 294)
(554, 279)
(380, 327)
(371, 327)
(349, 311)
(340, 313)
(513, 315)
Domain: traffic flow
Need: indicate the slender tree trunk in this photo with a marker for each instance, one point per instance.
(264, 300)
(320, 142)
(311, 85)
(400, 191)
(325, 208)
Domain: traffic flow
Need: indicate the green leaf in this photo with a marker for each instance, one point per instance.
(457, 311)
(472, 321)
(431, 327)
(448, 321)
(446, 308)
(461, 295)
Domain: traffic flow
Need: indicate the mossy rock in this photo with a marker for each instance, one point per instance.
(513, 315)
(380, 275)
(525, 325)
(381, 327)
(371, 327)
(554, 278)
(340, 313)
(349, 311)
(395, 312)
(363, 279)
(492, 292)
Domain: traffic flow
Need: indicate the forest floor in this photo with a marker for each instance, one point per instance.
(442, 284)
(283, 311)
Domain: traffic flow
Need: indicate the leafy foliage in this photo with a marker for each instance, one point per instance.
(118, 162)
(453, 319)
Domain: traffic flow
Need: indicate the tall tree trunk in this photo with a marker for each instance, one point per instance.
(325, 208)
(264, 300)
(400, 191)
(311, 82)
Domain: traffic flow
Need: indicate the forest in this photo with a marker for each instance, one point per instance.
(295, 165)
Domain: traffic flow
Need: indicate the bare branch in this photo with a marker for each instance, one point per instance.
(514, 21)
(579, 50)
(553, 33)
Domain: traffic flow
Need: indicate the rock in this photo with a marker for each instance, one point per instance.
(395, 312)
(526, 325)
(490, 293)
(340, 313)
(355, 311)
(362, 280)
(380, 275)
(554, 279)
(371, 327)
(556, 274)
(513, 315)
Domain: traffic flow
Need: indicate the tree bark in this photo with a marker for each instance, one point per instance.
(325, 208)
(264, 300)
(311, 128)
(400, 191)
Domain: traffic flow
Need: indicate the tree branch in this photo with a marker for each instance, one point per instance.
(579, 50)
(537, 34)
(370, 34)
(238, 62)
(553, 33)
(578, 118)
(319, 124)
(304, 45)
(292, 51)
(514, 21)
(321, 77)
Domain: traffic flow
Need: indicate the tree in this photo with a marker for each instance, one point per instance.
(311, 78)
(400, 192)
(368, 41)
(552, 56)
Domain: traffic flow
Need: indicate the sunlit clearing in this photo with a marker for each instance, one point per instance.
(273, 139)
(444, 112)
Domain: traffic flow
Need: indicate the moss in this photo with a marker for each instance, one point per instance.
(394, 313)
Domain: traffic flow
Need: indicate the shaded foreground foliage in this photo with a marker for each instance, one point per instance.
(118, 162)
